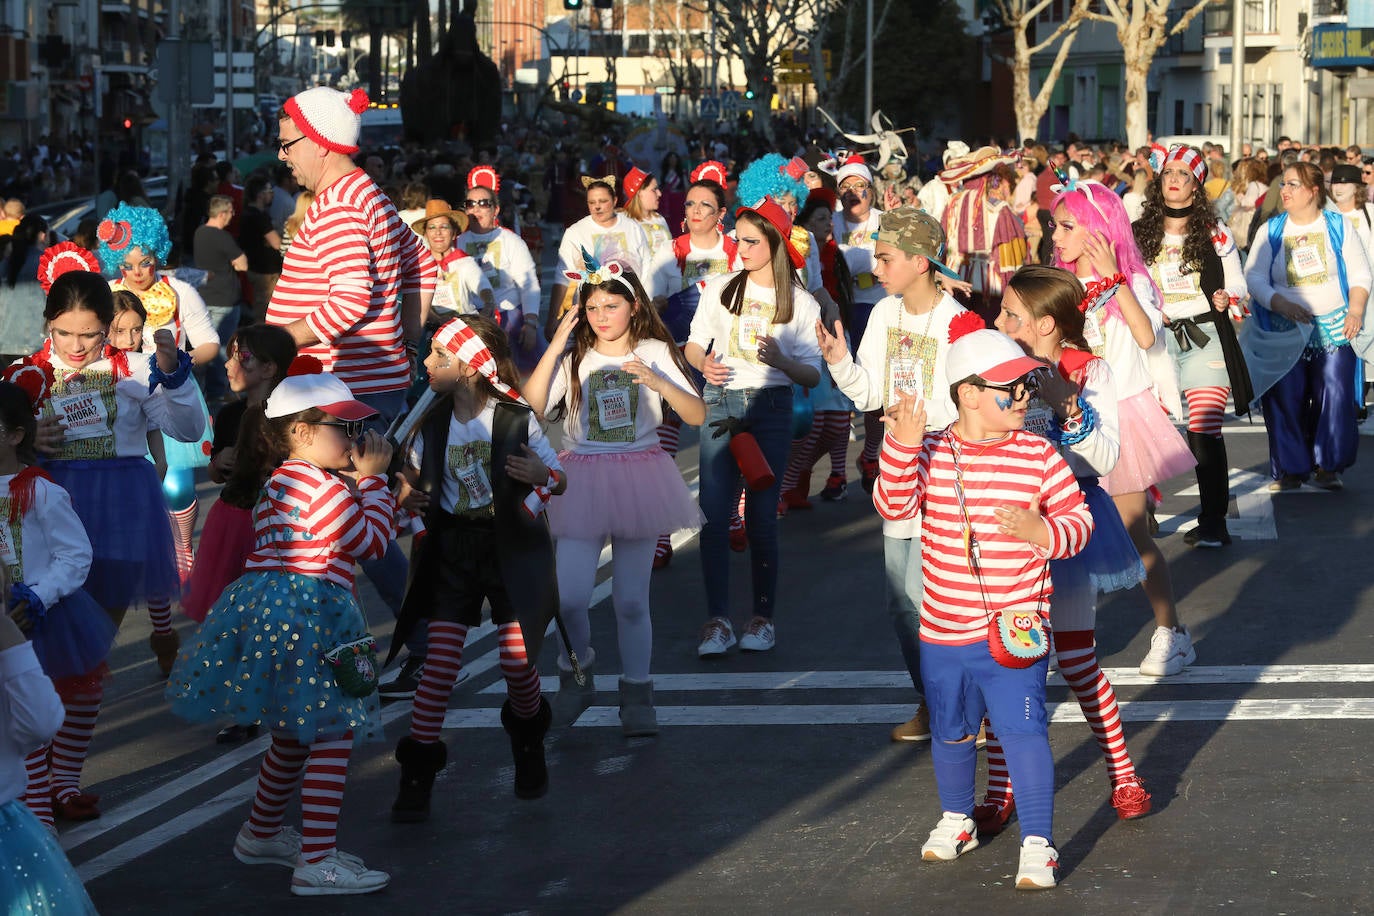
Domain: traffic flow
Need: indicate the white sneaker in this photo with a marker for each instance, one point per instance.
(1039, 869)
(1170, 652)
(759, 637)
(955, 835)
(335, 875)
(282, 849)
(716, 638)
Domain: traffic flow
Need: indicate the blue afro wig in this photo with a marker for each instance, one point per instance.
(127, 227)
(765, 178)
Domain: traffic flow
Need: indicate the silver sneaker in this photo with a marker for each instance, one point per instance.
(336, 874)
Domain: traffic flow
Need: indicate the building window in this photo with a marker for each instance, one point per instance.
(1223, 111)
(638, 44)
(1275, 111)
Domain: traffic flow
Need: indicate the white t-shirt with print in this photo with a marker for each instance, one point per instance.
(735, 337)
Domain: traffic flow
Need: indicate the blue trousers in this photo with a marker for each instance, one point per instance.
(1309, 414)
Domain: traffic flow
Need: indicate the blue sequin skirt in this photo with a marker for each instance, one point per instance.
(35, 876)
(1110, 562)
(259, 657)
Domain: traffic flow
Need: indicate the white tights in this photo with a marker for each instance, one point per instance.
(632, 563)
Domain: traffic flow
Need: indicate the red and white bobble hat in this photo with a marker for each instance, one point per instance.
(1191, 159)
(329, 117)
(854, 167)
(484, 176)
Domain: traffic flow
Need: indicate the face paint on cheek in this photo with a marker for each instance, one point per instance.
(1004, 403)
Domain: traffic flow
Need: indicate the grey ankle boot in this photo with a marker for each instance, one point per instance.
(637, 716)
(572, 699)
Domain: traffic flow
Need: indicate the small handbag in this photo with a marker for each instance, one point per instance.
(355, 666)
(1018, 639)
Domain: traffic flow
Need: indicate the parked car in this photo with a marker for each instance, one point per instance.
(64, 217)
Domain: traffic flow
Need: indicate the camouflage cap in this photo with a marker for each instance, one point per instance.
(916, 232)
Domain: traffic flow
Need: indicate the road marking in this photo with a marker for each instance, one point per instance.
(897, 679)
(1254, 518)
(888, 713)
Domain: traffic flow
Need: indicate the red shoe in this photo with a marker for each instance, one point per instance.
(739, 539)
(663, 558)
(992, 817)
(76, 808)
(795, 499)
(1130, 799)
(868, 472)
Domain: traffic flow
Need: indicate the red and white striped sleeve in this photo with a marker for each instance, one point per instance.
(358, 527)
(1066, 513)
(903, 471)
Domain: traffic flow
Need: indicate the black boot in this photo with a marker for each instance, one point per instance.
(527, 746)
(1214, 491)
(420, 763)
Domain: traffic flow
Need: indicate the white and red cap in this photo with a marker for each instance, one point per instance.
(329, 117)
(991, 355)
(1190, 157)
(484, 176)
(771, 211)
(853, 167)
(319, 390)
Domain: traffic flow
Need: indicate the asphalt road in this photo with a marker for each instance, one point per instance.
(773, 787)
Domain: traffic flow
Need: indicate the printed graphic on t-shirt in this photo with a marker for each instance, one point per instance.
(612, 404)
(910, 365)
(1040, 420)
(656, 234)
(703, 269)
(1175, 284)
(610, 245)
(85, 403)
(488, 254)
(752, 322)
(11, 541)
(861, 237)
(1093, 333)
(1306, 258)
(470, 465)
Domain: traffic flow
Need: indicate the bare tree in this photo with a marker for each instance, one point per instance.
(1020, 16)
(1142, 27)
(852, 52)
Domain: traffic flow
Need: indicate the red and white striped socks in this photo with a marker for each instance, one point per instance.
(522, 677)
(183, 530)
(1076, 654)
(829, 432)
(73, 741)
(322, 788)
(1206, 409)
(443, 661)
(38, 785)
(277, 779)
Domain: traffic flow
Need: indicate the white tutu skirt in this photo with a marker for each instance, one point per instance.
(622, 494)
(1152, 450)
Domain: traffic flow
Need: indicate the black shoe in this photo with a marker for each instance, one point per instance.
(527, 747)
(420, 763)
(1208, 534)
(237, 734)
(406, 682)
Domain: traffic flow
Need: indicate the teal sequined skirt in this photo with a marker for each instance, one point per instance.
(259, 657)
(35, 877)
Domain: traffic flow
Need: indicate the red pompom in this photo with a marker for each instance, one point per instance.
(35, 377)
(305, 365)
(965, 323)
(358, 101)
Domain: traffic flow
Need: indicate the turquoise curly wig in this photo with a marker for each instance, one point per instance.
(127, 227)
(765, 178)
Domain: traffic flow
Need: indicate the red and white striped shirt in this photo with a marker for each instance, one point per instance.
(1011, 573)
(309, 522)
(344, 275)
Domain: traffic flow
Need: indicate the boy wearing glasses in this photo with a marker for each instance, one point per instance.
(998, 504)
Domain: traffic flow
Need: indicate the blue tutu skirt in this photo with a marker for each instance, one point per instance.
(73, 637)
(1110, 562)
(184, 455)
(35, 876)
(259, 657)
(119, 502)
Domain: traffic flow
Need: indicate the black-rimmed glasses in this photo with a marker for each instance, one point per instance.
(285, 146)
(352, 429)
(1019, 390)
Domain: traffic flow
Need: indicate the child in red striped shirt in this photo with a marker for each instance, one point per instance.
(261, 653)
(998, 504)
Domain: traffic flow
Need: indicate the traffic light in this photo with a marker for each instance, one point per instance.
(347, 38)
(329, 37)
(319, 38)
(128, 124)
(563, 91)
(768, 85)
(604, 4)
(593, 93)
(749, 94)
(572, 4)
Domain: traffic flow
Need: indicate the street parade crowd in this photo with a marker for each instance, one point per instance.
(1015, 344)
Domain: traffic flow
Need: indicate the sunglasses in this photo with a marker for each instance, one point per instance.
(286, 146)
(485, 203)
(352, 429)
(145, 264)
(1018, 390)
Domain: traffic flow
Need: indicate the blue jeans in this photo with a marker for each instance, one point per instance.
(769, 414)
(902, 564)
(388, 573)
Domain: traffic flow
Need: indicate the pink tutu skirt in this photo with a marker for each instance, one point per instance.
(624, 495)
(225, 542)
(1152, 451)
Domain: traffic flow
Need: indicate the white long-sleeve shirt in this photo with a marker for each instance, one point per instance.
(46, 548)
(1304, 271)
(30, 714)
(511, 271)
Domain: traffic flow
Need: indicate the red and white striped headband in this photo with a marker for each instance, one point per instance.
(1191, 159)
(462, 341)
